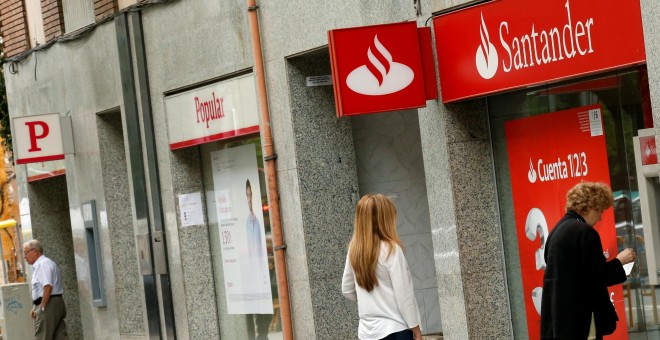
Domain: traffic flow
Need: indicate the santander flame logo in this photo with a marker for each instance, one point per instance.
(486, 58)
(382, 75)
(531, 174)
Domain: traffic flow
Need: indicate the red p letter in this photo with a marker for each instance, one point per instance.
(33, 134)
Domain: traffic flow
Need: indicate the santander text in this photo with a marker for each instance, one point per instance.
(555, 43)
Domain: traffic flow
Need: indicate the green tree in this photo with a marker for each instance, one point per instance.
(5, 128)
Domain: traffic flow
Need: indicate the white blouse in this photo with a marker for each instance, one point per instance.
(391, 306)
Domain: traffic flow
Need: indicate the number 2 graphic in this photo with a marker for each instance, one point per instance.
(536, 224)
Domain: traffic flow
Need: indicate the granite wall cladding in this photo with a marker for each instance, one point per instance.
(51, 225)
(195, 251)
(465, 227)
(129, 292)
(328, 188)
(651, 23)
(388, 152)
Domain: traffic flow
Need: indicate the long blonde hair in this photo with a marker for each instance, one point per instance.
(375, 221)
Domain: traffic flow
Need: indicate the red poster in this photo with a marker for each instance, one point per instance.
(548, 155)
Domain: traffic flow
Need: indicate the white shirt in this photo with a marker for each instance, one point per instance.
(45, 272)
(391, 306)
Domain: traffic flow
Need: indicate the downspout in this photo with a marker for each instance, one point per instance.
(271, 174)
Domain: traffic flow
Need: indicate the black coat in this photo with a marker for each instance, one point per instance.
(575, 280)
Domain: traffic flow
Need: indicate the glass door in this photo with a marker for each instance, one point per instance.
(627, 123)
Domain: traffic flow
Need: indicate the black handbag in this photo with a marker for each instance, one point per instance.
(605, 317)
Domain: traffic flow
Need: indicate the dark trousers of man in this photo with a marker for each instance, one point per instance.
(49, 324)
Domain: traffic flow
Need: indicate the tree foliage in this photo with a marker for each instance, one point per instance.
(5, 128)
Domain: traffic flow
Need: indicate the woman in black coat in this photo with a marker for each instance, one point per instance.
(577, 274)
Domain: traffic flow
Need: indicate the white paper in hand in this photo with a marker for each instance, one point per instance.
(628, 268)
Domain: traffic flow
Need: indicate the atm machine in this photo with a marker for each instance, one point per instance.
(646, 161)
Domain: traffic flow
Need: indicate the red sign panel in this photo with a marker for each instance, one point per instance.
(376, 68)
(548, 155)
(648, 149)
(38, 138)
(507, 44)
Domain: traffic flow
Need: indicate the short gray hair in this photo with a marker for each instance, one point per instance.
(34, 244)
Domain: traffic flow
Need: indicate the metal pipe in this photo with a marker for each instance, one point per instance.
(271, 174)
(137, 171)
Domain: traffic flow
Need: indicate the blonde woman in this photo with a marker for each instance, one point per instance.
(377, 274)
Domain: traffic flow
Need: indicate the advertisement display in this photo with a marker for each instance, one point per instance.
(548, 155)
(241, 222)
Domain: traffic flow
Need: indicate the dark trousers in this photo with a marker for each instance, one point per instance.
(405, 334)
(49, 323)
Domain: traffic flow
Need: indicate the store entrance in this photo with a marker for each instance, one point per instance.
(627, 124)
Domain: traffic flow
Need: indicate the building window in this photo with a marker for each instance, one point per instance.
(77, 14)
(125, 3)
(35, 22)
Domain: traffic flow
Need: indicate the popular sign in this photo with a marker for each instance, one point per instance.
(214, 112)
(38, 138)
(503, 45)
(548, 155)
(380, 68)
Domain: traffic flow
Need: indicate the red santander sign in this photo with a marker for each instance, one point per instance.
(508, 44)
(381, 68)
(648, 148)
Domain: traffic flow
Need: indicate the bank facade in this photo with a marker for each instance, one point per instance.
(173, 156)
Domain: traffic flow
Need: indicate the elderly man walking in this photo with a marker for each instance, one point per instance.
(49, 310)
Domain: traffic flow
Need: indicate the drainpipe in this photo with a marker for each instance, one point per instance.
(271, 174)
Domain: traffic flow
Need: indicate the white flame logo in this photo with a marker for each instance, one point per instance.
(531, 174)
(648, 151)
(486, 58)
(382, 75)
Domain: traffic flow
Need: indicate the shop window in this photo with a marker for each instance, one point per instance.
(125, 3)
(241, 239)
(623, 100)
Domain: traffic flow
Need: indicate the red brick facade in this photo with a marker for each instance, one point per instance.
(53, 18)
(104, 8)
(13, 27)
